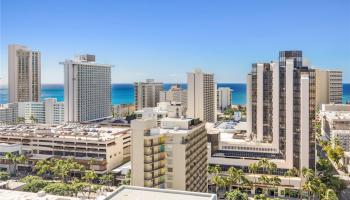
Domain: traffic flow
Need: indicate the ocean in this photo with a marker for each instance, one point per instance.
(124, 93)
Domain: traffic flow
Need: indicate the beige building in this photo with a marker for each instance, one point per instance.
(175, 94)
(107, 147)
(172, 155)
(24, 74)
(329, 87)
(201, 96)
(122, 110)
(147, 93)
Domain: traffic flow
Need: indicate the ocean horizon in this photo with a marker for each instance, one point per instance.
(123, 93)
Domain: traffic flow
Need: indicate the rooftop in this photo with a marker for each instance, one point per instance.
(91, 132)
(141, 193)
(16, 195)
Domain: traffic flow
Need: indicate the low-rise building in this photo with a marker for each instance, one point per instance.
(122, 110)
(335, 123)
(132, 193)
(48, 111)
(95, 147)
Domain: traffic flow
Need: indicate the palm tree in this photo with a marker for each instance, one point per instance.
(43, 167)
(329, 195)
(220, 182)
(253, 168)
(14, 160)
(271, 167)
(263, 163)
(275, 182)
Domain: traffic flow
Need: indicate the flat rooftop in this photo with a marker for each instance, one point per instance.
(82, 132)
(142, 193)
(18, 195)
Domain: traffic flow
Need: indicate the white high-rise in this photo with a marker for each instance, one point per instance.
(224, 98)
(87, 89)
(24, 74)
(201, 96)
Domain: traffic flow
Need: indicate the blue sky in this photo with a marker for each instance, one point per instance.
(165, 39)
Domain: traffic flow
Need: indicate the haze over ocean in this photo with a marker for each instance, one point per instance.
(124, 93)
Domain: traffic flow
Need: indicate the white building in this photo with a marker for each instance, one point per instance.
(48, 111)
(163, 110)
(8, 112)
(147, 94)
(87, 89)
(224, 98)
(201, 96)
(174, 94)
(335, 123)
(24, 74)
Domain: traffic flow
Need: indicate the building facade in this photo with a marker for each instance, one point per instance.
(87, 90)
(104, 145)
(171, 155)
(201, 96)
(224, 98)
(24, 74)
(147, 94)
(329, 87)
(175, 94)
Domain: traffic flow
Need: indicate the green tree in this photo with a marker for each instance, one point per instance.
(61, 189)
(4, 176)
(253, 168)
(106, 179)
(34, 184)
(43, 167)
(236, 195)
(14, 160)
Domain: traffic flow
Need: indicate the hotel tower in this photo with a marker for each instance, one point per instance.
(24, 74)
(87, 89)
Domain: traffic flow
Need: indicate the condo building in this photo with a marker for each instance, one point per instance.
(174, 94)
(24, 74)
(107, 147)
(224, 98)
(87, 89)
(8, 112)
(329, 87)
(147, 94)
(201, 96)
(280, 116)
(171, 155)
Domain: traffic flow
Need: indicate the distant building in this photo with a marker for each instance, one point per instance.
(224, 98)
(121, 110)
(201, 96)
(9, 112)
(48, 111)
(335, 123)
(171, 155)
(24, 74)
(163, 110)
(175, 94)
(87, 90)
(131, 193)
(329, 87)
(147, 94)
